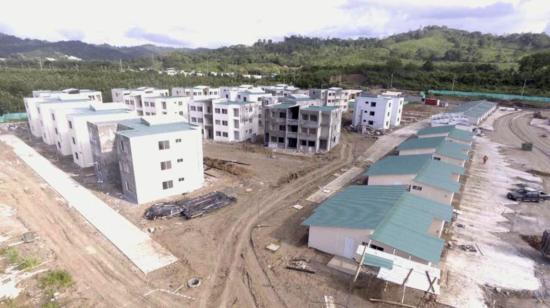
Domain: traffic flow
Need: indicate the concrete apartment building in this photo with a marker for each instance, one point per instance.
(84, 94)
(62, 125)
(134, 98)
(46, 115)
(302, 126)
(103, 147)
(78, 134)
(201, 114)
(386, 218)
(166, 106)
(281, 89)
(197, 92)
(424, 176)
(438, 147)
(334, 96)
(158, 158)
(235, 121)
(377, 112)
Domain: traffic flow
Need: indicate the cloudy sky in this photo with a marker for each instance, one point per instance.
(211, 23)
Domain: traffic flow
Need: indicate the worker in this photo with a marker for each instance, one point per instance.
(485, 158)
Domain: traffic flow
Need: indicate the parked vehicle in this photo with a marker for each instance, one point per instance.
(528, 195)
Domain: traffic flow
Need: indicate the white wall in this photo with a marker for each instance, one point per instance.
(48, 121)
(377, 116)
(417, 151)
(341, 242)
(433, 193)
(391, 179)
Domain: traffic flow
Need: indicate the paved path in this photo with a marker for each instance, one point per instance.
(146, 254)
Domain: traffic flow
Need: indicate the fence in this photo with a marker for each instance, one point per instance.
(499, 96)
(13, 117)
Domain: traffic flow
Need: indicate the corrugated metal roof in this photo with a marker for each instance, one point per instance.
(436, 130)
(421, 143)
(406, 226)
(377, 261)
(439, 174)
(408, 164)
(453, 150)
(356, 207)
(475, 109)
(460, 134)
(320, 108)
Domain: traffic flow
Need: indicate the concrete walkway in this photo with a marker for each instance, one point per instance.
(379, 149)
(146, 254)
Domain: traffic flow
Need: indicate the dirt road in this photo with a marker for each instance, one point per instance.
(104, 277)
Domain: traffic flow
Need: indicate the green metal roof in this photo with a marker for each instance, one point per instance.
(225, 103)
(453, 150)
(399, 218)
(282, 105)
(406, 226)
(428, 171)
(421, 143)
(320, 108)
(138, 127)
(460, 134)
(436, 130)
(407, 164)
(474, 109)
(377, 261)
(356, 207)
(439, 174)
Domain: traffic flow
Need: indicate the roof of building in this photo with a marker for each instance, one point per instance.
(93, 113)
(427, 171)
(399, 218)
(162, 97)
(320, 108)
(453, 150)
(377, 261)
(152, 126)
(282, 105)
(420, 143)
(474, 109)
(227, 102)
(452, 131)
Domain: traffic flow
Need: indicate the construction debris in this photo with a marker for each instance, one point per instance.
(190, 208)
(468, 248)
(273, 247)
(226, 165)
(300, 265)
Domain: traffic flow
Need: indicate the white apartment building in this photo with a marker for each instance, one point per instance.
(235, 121)
(133, 98)
(377, 112)
(46, 115)
(78, 136)
(252, 95)
(158, 158)
(85, 94)
(280, 89)
(334, 96)
(197, 92)
(165, 105)
(200, 113)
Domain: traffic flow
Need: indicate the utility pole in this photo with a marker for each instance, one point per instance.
(453, 87)
(120, 64)
(40, 63)
(391, 81)
(523, 88)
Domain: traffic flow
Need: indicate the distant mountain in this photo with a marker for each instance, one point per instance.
(12, 46)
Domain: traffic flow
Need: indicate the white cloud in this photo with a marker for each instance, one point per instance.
(211, 23)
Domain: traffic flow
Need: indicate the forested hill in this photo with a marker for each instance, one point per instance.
(430, 43)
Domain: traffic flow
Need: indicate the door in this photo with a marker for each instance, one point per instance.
(349, 247)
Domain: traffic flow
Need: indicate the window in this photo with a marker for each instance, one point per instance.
(163, 105)
(437, 158)
(303, 142)
(311, 143)
(180, 103)
(164, 112)
(146, 104)
(376, 247)
(282, 115)
(199, 109)
(224, 111)
(387, 123)
(217, 122)
(236, 112)
(74, 141)
(181, 179)
(225, 134)
(281, 140)
(164, 145)
(282, 128)
(236, 135)
(53, 116)
(152, 104)
(178, 140)
(181, 113)
(273, 139)
(56, 131)
(167, 185)
(373, 104)
(371, 123)
(76, 155)
(224, 123)
(193, 119)
(165, 165)
(193, 108)
(180, 160)
(244, 99)
(216, 110)
(218, 133)
(415, 187)
(70, 124)
(371, 113)
(313, 118)
(305, 117)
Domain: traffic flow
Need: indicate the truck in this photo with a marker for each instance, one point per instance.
(527, 195)
(432, 101)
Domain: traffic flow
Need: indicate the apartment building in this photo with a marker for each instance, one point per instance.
(47, 120)
(377, 112)
(302, 126)
(165, 105)
(78, 133)
(197, 92)
(334, 96)
(158, 157)
(235, 121)
(62, 125)
(49, 96)
(281, 89)
(133, 98)
(200, 114)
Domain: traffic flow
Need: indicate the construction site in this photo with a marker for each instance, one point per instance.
(240, 240)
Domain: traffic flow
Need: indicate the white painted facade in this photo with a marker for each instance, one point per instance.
(372, 111)
(197, 92)
(235, 121)
(133, 98)
(165, 106)
(159, 159)
(47, 117)
(69, 94)
(79, 137)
